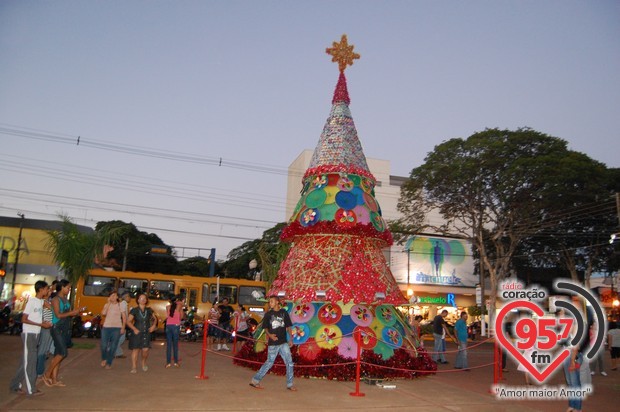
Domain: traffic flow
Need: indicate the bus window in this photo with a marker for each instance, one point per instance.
(205, 294)
(161, 289)
(249, 295)
(98, 286)
(190, 300)
(133, 286)
(226, 291)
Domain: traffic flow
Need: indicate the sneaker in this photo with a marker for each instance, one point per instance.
(225, 347)
(219, 347)
(592, 373)
(604, 373)
(37, 393)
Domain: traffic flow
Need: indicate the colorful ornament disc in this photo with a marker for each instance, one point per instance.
(392, 337)
(309, 217)
(328, 336)
(367, 336)
(300, 333)
(316, 198)
(302, 312)
(361, 315)
(346, 200)
(345, 218)
(385, 314)
(329, 313)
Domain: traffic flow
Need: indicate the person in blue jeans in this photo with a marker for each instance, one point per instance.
(439, 328)
(572, 373)
(174, 316)
(461, 336)
(114, 323)
(277, 326)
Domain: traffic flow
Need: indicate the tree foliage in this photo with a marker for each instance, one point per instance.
(139, 256)
(496, 187)
(266, 250)
(197, 266)
(75, 251)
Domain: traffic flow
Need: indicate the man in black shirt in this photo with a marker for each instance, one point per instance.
(224, 324)
(439, 328)
(277, 326)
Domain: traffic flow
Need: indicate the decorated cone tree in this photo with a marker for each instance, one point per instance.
(335, 278)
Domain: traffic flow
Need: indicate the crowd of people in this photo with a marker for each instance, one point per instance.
(47, 332)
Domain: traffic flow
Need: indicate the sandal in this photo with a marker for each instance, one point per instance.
(59, 383)
(256, 385)
(47, 381)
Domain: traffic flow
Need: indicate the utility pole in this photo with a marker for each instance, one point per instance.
(125, 254)
(19, 242)
(614, 236)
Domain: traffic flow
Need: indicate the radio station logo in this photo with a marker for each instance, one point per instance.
(541, 341)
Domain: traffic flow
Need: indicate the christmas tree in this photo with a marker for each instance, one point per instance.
(337, 284)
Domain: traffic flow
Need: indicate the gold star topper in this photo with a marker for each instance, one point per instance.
(342, 53)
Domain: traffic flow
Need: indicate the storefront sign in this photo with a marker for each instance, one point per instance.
(435, 261)
(438, 300)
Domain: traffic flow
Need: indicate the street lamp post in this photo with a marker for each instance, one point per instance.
(19, 241)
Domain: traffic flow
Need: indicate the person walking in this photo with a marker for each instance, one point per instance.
(242, 329)
(61, 331)
(440, 329)
(142, 321)
(174, 312)
(113, 324)
(45, 337)
(613, 340)
(124, 303)
(277, 326)
(461, 339)
(32, 321)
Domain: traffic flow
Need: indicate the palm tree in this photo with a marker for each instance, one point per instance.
(75, 251)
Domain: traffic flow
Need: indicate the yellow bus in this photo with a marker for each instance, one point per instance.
(92, 292)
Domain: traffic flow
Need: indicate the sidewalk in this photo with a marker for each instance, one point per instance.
(89, 387)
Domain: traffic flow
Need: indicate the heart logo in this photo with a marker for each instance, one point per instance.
(539, 375)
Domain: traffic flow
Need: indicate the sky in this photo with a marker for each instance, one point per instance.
(188, 113)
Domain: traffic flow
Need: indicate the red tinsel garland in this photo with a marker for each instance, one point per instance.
(331, 227)
(330, 365)
(340, 168)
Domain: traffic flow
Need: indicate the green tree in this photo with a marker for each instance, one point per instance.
(266, 250)
(573, 229)
(492, 187)
(75, 251)
(197, 266)
(139, 256)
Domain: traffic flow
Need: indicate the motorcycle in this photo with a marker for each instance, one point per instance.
(77, 327)
(93, 327)
(15, 323)
(5, 319)
(191, 331)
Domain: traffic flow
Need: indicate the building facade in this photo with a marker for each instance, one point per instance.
(35, 261)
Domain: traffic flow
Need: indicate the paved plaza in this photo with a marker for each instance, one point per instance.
(91, 388)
